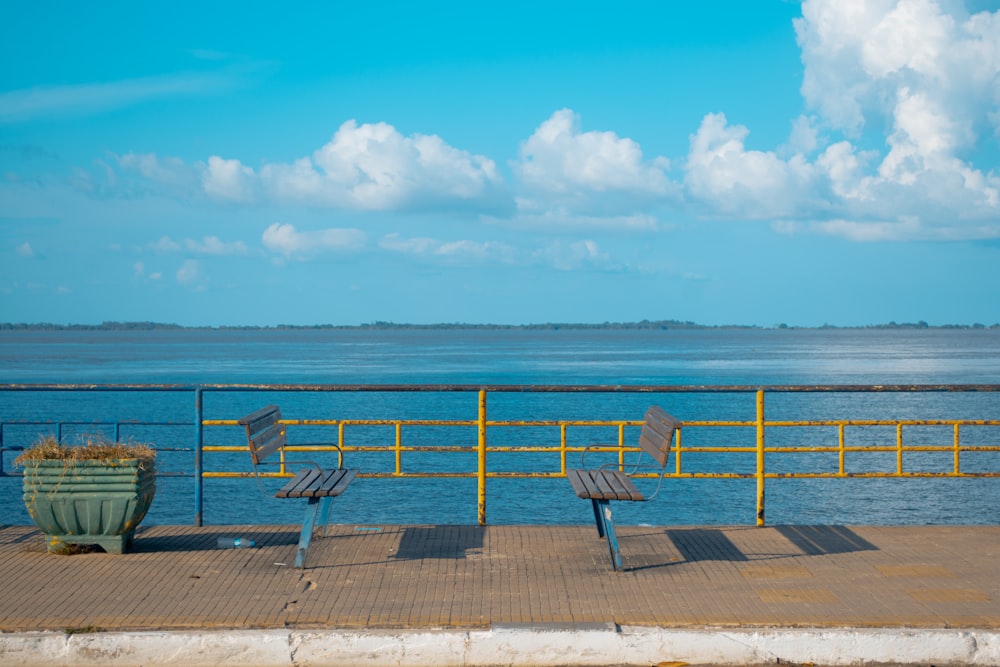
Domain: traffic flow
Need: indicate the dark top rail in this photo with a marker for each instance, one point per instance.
(568, 388)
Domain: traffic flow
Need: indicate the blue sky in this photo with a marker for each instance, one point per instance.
(823, 162)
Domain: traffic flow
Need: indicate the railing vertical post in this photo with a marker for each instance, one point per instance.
(399, 448)
(841, 451)
(899, 449)
(958, 451)
(198, 442)
(562, 448)
(482, 457)
(621, 447)
(760, 457)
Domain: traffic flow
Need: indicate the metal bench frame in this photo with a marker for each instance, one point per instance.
(601, 485)
(267, 435)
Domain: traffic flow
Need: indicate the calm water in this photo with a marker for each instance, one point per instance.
(712, 357)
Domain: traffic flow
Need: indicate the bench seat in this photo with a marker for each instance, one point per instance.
(603, 484)
(317, 483)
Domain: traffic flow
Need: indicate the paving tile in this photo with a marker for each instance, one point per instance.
(471, 576)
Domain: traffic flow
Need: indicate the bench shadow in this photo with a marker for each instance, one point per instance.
(705, 544)
(209, 540)
(712, 544)
(691, 544)
(443, 541)
(822, 540)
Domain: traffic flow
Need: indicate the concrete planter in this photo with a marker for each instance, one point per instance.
(89, 502)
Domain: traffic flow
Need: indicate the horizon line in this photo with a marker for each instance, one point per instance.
(144, 325)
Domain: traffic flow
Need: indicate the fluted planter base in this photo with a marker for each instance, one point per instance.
(88, 502)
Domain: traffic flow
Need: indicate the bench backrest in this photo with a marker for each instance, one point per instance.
(264, 434)
(658, 433)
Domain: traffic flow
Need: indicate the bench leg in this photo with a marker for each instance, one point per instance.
(609, 529)
(307, 530)
(324, 513)
(597, 517)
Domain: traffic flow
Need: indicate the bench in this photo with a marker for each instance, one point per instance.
(265, 436)
(604, 484)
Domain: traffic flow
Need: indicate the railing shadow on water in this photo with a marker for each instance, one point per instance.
(457, 454)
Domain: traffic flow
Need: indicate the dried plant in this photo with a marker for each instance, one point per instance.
(93, 448)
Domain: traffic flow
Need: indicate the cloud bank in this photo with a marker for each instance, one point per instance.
(926, 71)
(364, 167)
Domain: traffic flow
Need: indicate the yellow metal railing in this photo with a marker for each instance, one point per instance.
(761, 452)
(861, 443)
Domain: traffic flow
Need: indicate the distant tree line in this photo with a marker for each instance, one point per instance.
(658, 325)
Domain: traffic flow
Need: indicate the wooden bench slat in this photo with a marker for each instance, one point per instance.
(656, 448)
(261, 418)
(267, 442)
(585, 485)
(658, 434)
(604, 486)
(594, 486)
(622, 486)
(332, 483)
(299, 487)
(576, 478)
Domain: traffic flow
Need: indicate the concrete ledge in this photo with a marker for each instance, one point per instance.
(505, 645)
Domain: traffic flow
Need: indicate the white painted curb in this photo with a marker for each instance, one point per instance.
(504, 645)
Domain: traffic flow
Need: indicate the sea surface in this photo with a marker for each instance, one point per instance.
(561, 357)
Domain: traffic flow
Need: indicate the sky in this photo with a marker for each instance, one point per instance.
(721, 162)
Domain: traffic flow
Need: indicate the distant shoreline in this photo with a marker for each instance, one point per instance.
(644, 325)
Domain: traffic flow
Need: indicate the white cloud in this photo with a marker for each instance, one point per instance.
(857, 230)
(463, 251)
(165, 244)
(211, 245)
(167, 171)
(189, 273)
(139, 273)
(25, 250)
(229, 180)
(733, 180)
(562, 166)
(46, 101)
(562, 256)
(574, 256)
(804, 137)
(366, 167)
(284, 239)
(561, 220)
(363, 167)
(923, 68)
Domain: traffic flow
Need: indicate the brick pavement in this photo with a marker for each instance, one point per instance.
(382, 576)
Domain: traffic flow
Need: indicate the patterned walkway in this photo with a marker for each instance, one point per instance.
(368, 576)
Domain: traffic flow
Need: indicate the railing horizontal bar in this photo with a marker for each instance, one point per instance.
(645, 389)
(875, 474)
(833, 449)
(123, 422)
(886, 422)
